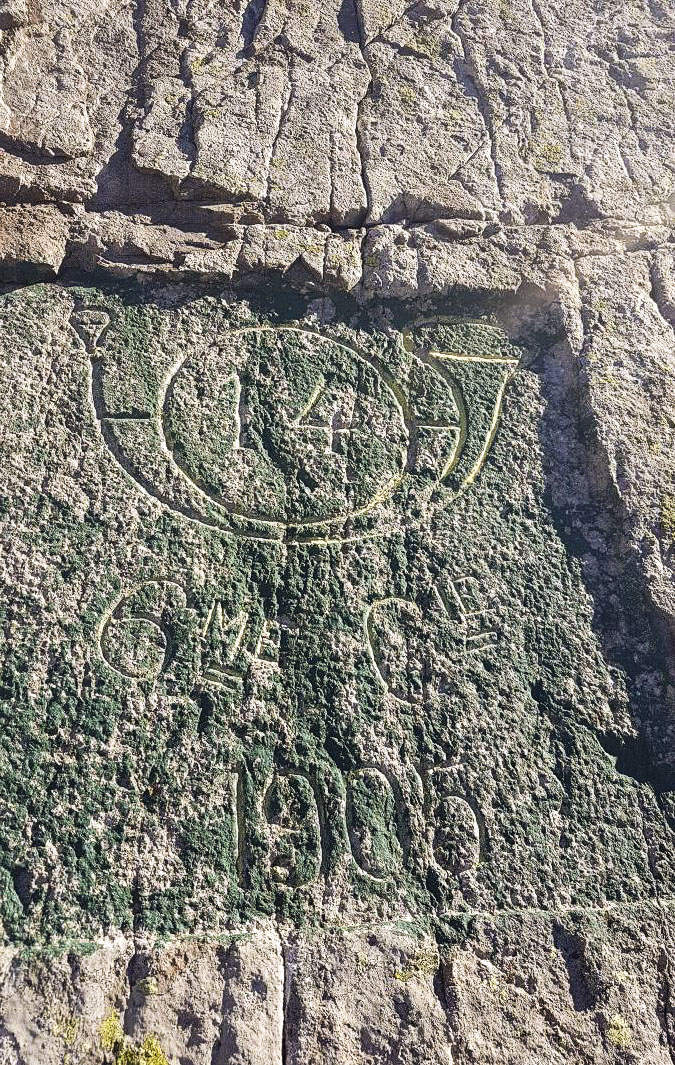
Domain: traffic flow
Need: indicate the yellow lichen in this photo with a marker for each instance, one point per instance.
(148, 1053)
(65, 1027)
(668, 518)
(619, 1033)
(547, 155)
(111, 1032)
(124, 1052)
(423, 964)
(148, 986)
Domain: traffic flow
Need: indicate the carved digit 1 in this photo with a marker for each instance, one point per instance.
(236, 781)
(241, 442)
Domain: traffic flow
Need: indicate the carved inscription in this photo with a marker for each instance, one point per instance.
(402, 637)
(138, 642)
(456, 831)
(135, 633)
(283, 433)
(294, 833)
(474, 608)
(372, 820)
(231, 646)
(136, 637)
(389, 647)
(91, 325)
(372, 825)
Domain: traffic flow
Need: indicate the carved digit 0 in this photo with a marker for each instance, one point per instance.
(372, 823)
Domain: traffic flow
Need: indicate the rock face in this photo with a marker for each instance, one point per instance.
(338, 516)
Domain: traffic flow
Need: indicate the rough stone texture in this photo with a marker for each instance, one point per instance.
(338, 519)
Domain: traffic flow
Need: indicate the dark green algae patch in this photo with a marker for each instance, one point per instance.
(200, 729)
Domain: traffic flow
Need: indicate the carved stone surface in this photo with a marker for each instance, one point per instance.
(338, 533)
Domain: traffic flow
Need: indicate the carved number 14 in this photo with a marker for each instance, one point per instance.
(324, 412)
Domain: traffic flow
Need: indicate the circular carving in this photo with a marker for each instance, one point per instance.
(284, 427)
(280, 433)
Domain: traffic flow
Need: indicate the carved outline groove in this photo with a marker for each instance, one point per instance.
(288, 533)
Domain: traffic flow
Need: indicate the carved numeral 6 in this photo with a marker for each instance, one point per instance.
(134, 635)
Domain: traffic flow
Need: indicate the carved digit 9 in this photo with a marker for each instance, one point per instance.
(291, 812)
(134, 638)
